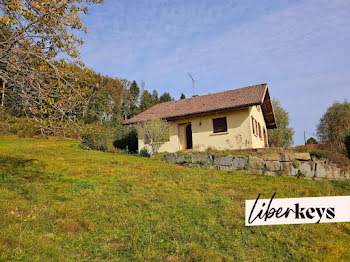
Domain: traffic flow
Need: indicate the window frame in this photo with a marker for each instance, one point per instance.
(253, 125)
(259, 130)
(221, 130)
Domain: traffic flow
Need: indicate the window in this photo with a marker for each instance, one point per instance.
(220, 125)
(253, 125)
(260, 135)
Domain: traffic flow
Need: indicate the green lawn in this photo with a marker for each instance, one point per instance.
(59, 203)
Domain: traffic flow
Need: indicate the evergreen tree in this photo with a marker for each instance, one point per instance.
(155, 98)
(311, 141)
(134, 92)
(146, 101)
(165, 97)
(182, 96)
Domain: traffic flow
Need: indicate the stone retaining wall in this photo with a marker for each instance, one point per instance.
(288, 164)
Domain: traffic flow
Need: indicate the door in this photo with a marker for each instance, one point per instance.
(185, 136)
(189, 136)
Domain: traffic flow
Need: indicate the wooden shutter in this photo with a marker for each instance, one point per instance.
(259, 130)
(220, 125)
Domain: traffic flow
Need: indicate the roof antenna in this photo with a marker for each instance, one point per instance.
(193, 80)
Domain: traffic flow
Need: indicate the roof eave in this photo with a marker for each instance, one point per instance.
(197, 113)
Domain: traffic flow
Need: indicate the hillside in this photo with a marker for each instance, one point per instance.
(58, 202)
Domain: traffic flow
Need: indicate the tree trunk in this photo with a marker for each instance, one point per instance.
(3, 94)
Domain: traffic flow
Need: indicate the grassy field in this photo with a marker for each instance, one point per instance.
(61, 203)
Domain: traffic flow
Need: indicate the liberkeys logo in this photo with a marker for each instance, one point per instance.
(280, 211)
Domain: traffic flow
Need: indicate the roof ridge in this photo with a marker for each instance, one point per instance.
(210, 94)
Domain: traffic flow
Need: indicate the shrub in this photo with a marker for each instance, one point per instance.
(340, 159)
(24, 127)
(300, 174)
(130, 140)
(320, 153)
(296, 163)
(144, 152)
(28, 127)
(94, 141)
(301, 149)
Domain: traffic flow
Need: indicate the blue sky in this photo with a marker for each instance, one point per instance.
(300, 48)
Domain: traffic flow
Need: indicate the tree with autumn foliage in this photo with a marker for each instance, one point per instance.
(282, 136)
(33, 33)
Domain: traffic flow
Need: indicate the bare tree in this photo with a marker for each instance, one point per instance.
(154, 133)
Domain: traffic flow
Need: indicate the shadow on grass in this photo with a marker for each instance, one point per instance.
(15, 162)
(14, 168)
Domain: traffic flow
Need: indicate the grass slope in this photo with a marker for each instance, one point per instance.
(60, 203)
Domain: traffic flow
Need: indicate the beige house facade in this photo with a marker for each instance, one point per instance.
(230, 120)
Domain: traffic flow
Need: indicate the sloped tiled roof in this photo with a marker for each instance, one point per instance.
(242, 97)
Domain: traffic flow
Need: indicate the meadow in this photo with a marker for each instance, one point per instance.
(62, 203)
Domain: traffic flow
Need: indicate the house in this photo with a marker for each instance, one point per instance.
(234, 119)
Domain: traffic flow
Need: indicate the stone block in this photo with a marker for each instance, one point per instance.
(307, 169)
(287, 157)
(181, 158)
(320, 170)
(170, 158)
(271, 157)
(256, 162)
(302, 156)
(289, 169)
(334, 172)
(223, 160)
(202, 159)
(273, 165)
(240, 162)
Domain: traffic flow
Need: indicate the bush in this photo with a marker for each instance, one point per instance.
(320, 153)
(340, 159)
(144, 152)
(130, 140)
(28, 127)
(300, 174)
(301, 149)
(296, 163)
(94, 141)
(24, 127)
